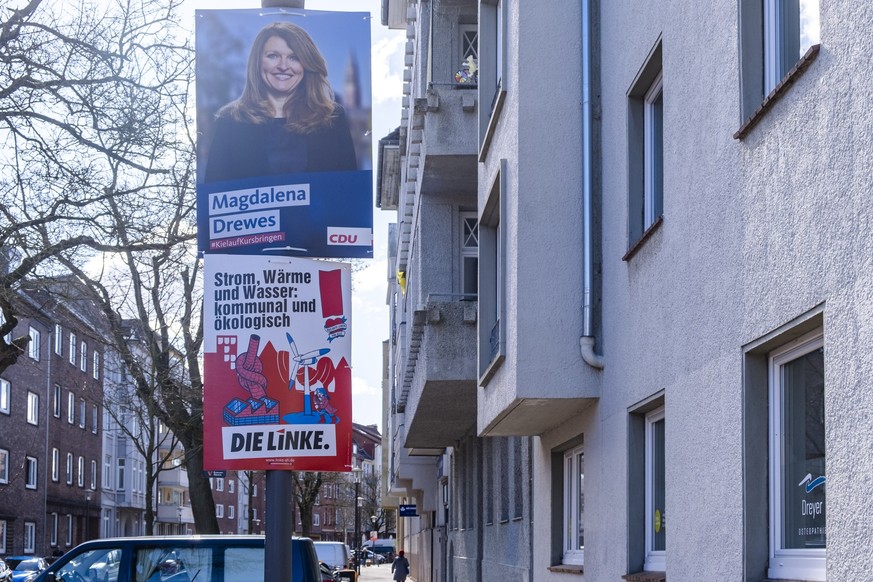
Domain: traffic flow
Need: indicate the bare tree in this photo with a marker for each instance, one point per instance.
(90, 102)
(306, 485)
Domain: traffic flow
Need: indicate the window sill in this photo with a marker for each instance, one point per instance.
(778, 91)
(646, 577)
(646, 235)
(567, 569)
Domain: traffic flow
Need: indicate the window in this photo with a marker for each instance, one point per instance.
(107, 472)
(231, 486)
(30, 472)
(779, 39)
(82, 408)
(59, 339)
(645, 150)
(95, 365)
(219, 484)
(2, 536)
(791, 27)
(574, 506)
(468, 55)
(4, 466)
(94, 418)
(72, 354)
(53, 540)
(254, 490)
(29, 537)
(469, 254)
(219, 510)
(5, 389)
(492, 67)
(71, 407)
(83, 357)
(797, 460)
(33, 346)
(656, 515)
(69, 468)
(81, 471)
(93, 474)
(231, 511)
(32, 408)
(316, 519)
(56, 465)
(492, 284)
(120, 481)
(56, 401)
(69, 539)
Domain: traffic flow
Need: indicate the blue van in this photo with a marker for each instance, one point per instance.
(218, 558)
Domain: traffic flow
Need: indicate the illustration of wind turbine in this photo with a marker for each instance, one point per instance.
(306, 359)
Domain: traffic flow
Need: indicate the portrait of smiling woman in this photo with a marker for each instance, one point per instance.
(287, 119)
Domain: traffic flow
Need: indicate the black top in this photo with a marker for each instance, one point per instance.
(246, 150)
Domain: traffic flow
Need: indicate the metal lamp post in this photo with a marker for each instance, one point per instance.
(357, 474)
(179, 509)
(374, 520)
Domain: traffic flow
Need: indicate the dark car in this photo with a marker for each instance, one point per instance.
(25, 568)
(221, 558)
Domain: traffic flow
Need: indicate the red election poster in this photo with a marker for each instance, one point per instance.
(277, 388)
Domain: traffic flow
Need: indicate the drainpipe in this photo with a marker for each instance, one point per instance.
(586, 342)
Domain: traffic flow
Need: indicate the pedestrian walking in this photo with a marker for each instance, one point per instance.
(400, 567)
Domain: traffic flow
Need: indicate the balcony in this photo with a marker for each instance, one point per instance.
(176, 477)
(169, 513)
(445, 125)
(437, 377)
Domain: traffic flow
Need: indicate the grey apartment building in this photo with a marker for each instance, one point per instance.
(630, 278)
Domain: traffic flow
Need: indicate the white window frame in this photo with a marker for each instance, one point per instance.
(805, 564)
(71, 407)
(231, 486)
(95, 416)
(56, 465)
(316, 519)
(69, 468)
(574, 466)
(5, 395)
(56, 401)
(95, 365)
(4, 466)
(93, 475)
(469, 251)
(219, 510)
(33, 346)
(80, 469)
(219, 483)
(653, 152)
(53, 540)
(33, 408)
(656, 560)
(72, 355)
(29, 537)
(469, 43)
(59, 339)
(231, 512)
(777, 63)
(69, 537)
(83, 356)
(119, 481)
(83, 407)
(107, 471)
(31, 472)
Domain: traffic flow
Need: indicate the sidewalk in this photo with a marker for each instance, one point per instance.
(380, 573)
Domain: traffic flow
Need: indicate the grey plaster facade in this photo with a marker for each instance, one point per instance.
(762, 239)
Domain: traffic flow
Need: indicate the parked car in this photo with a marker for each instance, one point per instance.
(336, 555)
(5, 572)
(221, 558)
(25, 568)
